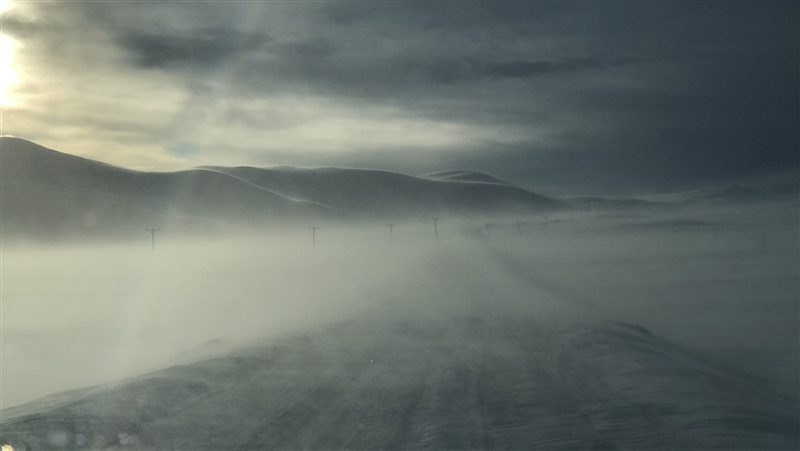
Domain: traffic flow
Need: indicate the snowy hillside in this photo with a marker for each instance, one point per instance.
(394, 195)
(50, 194)
(728, 195)
(466, 176)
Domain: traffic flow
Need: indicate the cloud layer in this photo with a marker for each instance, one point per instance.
(564, 98)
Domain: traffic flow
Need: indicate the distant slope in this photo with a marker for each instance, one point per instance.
(43, 191)
(729, 195)
(466, 176)
(589, 203)
(389, 194)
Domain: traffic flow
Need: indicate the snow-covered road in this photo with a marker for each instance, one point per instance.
(451, 353)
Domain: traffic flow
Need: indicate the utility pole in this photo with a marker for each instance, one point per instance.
(313, 236)
(487, 231)
(519, 229)
(391, 233)
(153, 239)
(435, 229)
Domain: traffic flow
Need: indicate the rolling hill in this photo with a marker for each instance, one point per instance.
(45, 193)
(587, 203)
(727, 195)
(375, 193)
(466, 176)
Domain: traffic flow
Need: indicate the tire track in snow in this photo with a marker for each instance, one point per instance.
(473, 366)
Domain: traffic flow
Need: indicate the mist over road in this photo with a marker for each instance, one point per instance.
(437, 346)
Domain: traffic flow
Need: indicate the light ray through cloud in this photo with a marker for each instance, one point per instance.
(8, 74)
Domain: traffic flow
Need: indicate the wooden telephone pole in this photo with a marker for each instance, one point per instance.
(153, 239)
(313, 236)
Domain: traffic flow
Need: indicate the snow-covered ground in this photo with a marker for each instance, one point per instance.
(631, 331)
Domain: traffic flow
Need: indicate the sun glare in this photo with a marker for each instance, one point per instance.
(5, 5)
(8, 75)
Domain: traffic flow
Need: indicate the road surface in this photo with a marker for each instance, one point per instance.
(453, 354)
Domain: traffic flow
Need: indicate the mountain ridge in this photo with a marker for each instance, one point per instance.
(51, 193)
(384, 193)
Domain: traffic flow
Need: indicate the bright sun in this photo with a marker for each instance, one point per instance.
(4, 5)
(7, 73)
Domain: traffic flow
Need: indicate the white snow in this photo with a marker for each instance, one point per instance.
(719, 300)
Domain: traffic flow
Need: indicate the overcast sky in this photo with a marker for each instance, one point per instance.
(562, 98)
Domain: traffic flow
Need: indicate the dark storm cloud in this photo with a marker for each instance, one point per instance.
(377, 78)
(529, 69)
(312, 48)
(619, 96)
(449, 71)
(313, 60)
(207, 47)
